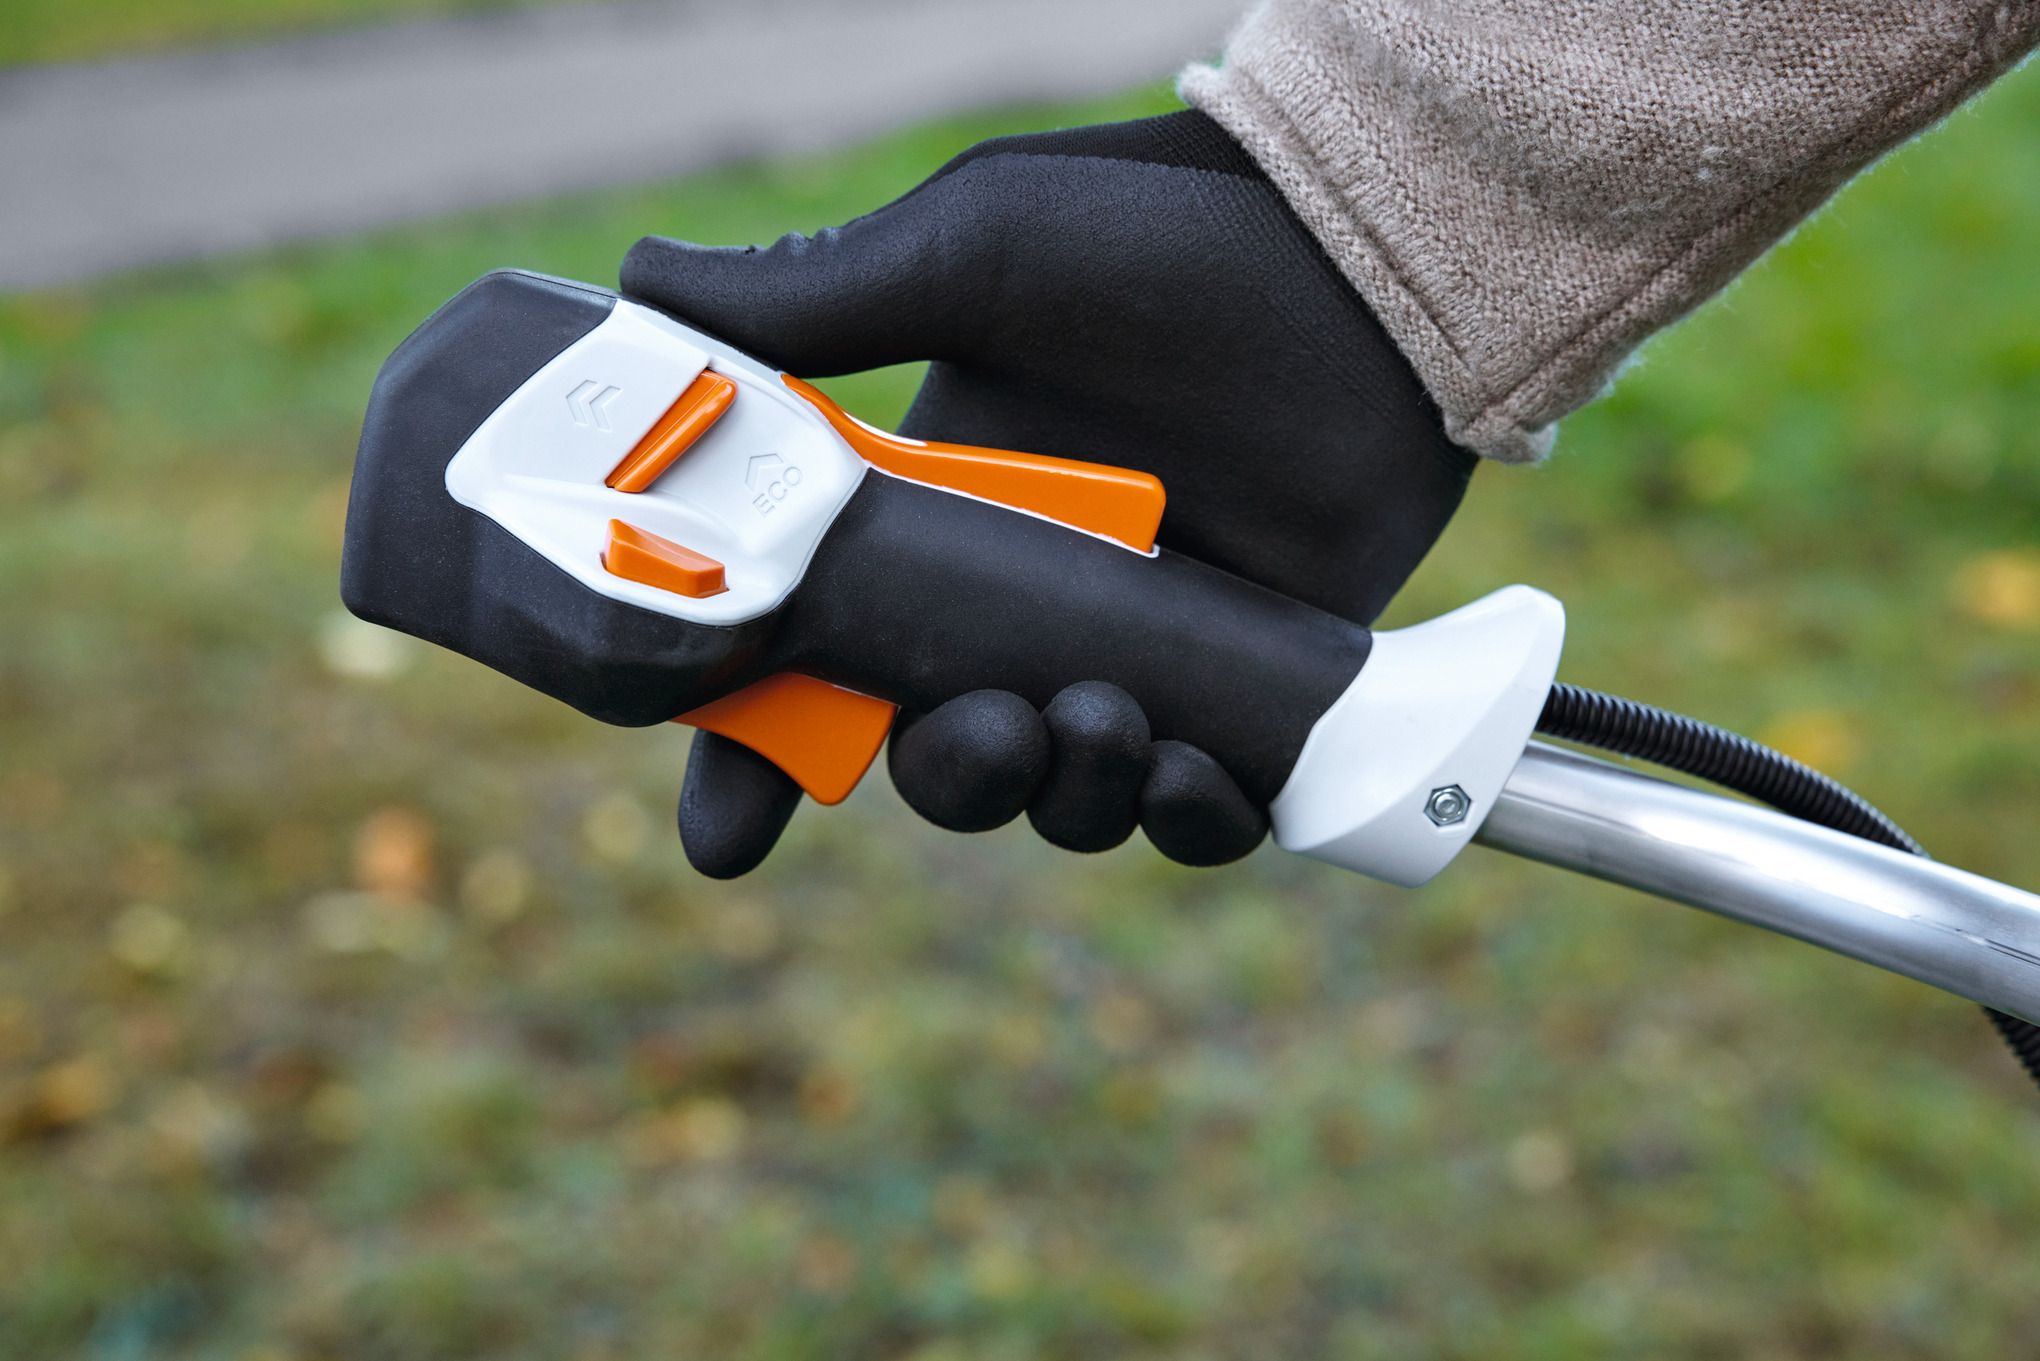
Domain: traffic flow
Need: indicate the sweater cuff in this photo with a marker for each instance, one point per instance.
(1525, 193)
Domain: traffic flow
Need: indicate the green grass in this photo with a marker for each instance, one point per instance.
(905, 1094)
(33, 31)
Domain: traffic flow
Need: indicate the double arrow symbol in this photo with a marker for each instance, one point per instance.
(590, 404)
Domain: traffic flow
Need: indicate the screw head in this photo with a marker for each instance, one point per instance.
(1448, 806)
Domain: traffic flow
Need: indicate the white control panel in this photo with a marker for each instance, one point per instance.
(756, 493)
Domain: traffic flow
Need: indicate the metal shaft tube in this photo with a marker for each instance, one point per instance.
(1958, 931)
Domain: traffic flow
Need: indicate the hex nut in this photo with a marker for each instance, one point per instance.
(1449, 806)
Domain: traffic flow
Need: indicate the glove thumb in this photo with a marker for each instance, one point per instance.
(883, 290)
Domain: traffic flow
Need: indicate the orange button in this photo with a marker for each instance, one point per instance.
(674, 433)
(642, 556)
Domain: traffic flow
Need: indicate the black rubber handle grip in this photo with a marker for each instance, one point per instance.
(918, 595)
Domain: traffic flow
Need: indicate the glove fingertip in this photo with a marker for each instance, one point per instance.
(1193, 812)
(1090, 801)
(734, 805)
(640, 262)
(972, 764)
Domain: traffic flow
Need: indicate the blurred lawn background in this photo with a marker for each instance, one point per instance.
(356, 1003)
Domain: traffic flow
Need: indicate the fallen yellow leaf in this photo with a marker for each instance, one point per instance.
(1823, 738)
(2001, 589)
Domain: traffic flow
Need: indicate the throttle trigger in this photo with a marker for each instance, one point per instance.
(822, 735)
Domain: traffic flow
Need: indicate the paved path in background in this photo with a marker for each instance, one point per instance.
(119, 164)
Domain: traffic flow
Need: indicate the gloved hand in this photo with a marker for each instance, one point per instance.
(1135, 294)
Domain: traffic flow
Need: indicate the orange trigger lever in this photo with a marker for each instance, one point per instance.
(822, 735)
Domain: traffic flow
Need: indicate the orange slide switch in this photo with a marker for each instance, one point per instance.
(642, 556)
(674, 433)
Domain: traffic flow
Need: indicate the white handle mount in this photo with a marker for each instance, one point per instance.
(1402, 770)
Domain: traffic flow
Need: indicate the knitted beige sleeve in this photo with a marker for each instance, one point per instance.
(1524, 190)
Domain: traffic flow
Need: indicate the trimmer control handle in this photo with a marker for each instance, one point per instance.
(647, 524)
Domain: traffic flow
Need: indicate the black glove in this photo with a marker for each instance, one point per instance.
(1135, 294)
